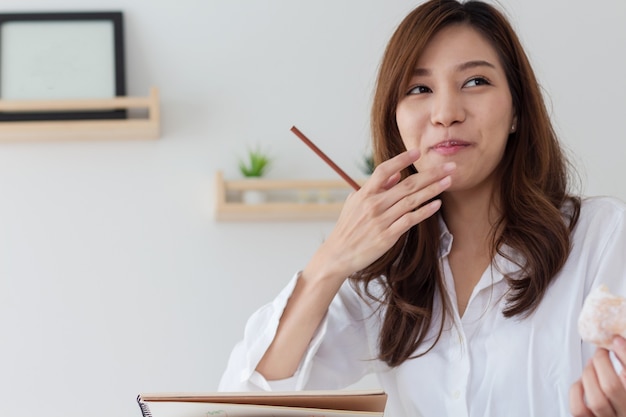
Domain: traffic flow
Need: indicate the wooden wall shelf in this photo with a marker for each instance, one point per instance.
(286, 199)
(130, 128)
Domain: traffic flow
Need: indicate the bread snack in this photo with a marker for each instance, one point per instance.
(602, 317)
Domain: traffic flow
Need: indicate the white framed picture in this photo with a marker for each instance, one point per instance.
(66, 55)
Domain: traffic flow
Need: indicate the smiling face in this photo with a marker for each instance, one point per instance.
(458, 107)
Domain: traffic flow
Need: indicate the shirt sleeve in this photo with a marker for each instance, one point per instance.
(338, 355)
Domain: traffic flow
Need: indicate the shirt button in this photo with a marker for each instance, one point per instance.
(456, 395)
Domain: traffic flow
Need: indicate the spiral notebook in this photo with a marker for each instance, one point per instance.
(265, 404)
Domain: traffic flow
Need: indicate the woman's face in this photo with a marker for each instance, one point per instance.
(458, 107)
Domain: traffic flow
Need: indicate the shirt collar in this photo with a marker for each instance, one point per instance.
(445, 238)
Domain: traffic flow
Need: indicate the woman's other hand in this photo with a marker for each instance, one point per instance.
(601, 391)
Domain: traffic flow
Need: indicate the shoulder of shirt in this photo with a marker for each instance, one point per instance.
(602, 204)
(600, 215)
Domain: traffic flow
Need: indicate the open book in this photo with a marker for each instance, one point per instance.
(265, 404)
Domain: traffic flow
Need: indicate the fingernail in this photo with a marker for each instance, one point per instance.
(619, 342)
(449, 166)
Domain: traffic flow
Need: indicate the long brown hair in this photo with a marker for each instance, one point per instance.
(533, 190)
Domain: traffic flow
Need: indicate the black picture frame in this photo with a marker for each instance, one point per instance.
(115, 87)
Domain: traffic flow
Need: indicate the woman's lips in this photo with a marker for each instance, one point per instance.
(450, 147)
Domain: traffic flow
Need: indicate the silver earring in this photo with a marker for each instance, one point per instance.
(512, 128)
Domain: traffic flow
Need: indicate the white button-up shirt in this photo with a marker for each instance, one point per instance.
(484, 364)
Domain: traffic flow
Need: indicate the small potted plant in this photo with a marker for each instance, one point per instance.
(255, 164)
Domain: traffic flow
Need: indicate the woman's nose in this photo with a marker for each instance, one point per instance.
(447, 108)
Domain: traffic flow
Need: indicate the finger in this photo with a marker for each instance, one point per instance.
(577, 401)
(619, 349)
(409, 194)
(596, 399)
(391, 181)
(402, 225)
(392, 167)
(387, 176)
(608, 379)
(407, 219)
(419, 189)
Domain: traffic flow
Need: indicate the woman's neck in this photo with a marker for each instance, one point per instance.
(471, 216)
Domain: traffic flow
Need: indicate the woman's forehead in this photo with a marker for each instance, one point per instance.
(456, 45)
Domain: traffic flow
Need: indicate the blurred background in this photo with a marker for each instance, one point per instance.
(116, 278)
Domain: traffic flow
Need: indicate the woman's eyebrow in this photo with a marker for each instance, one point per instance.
(474, 64)
(461, 67)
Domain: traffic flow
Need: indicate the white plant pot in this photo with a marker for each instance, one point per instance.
(254, 197)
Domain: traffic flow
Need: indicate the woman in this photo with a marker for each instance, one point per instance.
(458, 271)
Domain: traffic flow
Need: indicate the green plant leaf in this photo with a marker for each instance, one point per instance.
(256, 163)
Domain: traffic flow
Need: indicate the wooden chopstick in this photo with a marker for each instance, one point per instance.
(326, 159)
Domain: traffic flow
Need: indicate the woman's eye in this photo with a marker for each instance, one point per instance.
(476, 82)
(419, 89)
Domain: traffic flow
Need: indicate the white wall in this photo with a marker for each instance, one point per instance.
(114, 277)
